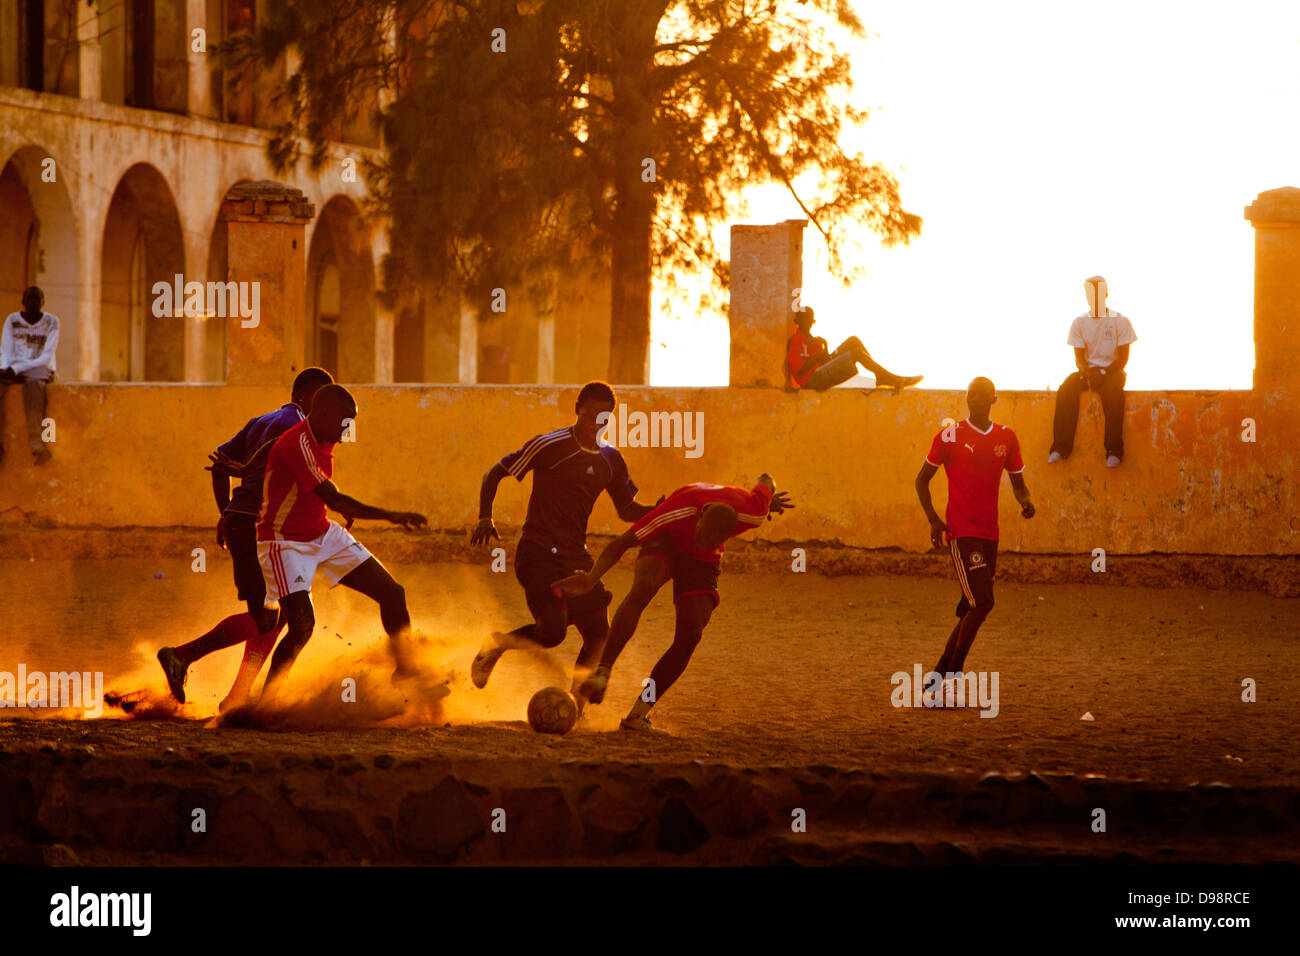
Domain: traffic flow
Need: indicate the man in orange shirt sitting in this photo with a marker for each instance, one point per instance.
(813, 366)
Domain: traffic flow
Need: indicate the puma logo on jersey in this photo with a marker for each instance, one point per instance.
(970, 448)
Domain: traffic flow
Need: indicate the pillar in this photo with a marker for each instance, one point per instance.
(766, 274)
(266, 244)
(1276, 217)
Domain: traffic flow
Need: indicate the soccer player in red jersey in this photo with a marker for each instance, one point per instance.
(973, 453)
(236, 529)
(296, 538)
(681, 539)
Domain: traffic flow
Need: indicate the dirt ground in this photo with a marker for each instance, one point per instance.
(789, 701)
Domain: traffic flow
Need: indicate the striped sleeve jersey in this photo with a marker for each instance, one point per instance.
(677, 515)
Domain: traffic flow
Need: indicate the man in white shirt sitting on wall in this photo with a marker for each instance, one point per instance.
(1100, 338)
(27, 346)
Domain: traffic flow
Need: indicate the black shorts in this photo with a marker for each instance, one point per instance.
(536, 568)
(241, 539)
(690, 575)
(975, 561)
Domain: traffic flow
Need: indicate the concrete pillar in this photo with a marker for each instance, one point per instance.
(467, 366)
(385, 329)
(265, 244)
(766, 273)
(89, 65)
(1276, 217)
(199, 95)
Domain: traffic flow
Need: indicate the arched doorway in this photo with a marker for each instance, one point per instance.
(142, 247)
(38, 246)
(340, 327)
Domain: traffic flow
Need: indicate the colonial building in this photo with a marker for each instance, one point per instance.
(120, 135)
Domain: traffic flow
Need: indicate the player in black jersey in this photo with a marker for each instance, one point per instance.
(570, 469)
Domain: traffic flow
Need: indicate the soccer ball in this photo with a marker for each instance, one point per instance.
(553, 710)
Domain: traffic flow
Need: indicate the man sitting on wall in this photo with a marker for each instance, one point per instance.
(27, 347)
(1100, 338)
(812, 365)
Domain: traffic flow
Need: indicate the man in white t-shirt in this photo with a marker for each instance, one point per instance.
(27, 346)
(1100, 339)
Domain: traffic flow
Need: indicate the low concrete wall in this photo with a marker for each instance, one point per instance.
(133, 455)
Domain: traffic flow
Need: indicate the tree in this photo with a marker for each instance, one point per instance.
(525, 137)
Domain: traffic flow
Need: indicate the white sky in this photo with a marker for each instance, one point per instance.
(1044, 142)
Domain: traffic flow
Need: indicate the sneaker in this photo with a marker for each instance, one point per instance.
(641, 725)
(593, 688)
(175, 670)
(1054, 457)
(485, 660)
(897, 381)
(1112, 461)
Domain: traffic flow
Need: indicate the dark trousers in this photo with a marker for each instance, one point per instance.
(1111, 390)
(33, 383)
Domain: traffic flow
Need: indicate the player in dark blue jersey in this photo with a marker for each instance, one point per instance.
(570, 469)
(236, 529)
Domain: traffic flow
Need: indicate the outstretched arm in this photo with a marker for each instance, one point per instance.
(584, 581)
(937, 527)
(352, 509)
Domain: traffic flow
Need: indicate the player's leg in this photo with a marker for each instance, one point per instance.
(837, 370)
(651, 571)
(34, 383)
(693, 613)
(884, 377)
(297, 612)
(241, 538)
(373, 580)
(1112, 406)
(1066, 419)
(978, 557)
(536, 570)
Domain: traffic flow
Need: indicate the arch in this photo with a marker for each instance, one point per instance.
(142, 246)
(340, 326)
(38, 246)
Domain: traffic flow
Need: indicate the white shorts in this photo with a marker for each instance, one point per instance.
(289, 566)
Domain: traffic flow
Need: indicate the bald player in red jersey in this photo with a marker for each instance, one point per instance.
(683, 539)
(974, 454)
(296, 538)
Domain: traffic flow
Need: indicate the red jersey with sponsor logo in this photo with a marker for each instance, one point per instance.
(677, 515)
(974, 462)
(296, 466)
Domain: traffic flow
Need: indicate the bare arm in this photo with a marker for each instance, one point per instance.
(937, 527)
(352, 509)
(1121, 359)
(584, 581)
(1081, 360)
(1021, 491)
(487, 494)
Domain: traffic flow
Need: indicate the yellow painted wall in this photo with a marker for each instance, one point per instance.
(134, 455)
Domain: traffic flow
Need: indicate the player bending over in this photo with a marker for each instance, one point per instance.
(681, 539)
(295, 537)
(973, 453)
(570, 469)
(237, 529)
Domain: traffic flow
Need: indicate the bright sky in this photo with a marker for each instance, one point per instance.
(1042, 143)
